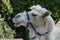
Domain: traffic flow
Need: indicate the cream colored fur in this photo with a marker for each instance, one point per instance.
(42, 25)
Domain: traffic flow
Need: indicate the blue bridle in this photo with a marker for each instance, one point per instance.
(30, 23)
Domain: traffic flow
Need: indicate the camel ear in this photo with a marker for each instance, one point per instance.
(47, 13)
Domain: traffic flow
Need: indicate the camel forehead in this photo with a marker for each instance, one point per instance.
(37, 11)
(25, 13)
(21, 14)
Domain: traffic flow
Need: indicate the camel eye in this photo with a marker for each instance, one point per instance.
(17, 16)
(34, 14)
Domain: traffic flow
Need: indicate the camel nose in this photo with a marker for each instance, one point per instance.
(13, 20)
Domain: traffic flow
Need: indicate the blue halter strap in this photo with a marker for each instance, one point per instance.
(30, 23)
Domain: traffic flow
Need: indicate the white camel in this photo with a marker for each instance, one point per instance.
(42, 21)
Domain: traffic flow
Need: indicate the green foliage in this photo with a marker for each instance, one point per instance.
(5, 30)
(9, 8)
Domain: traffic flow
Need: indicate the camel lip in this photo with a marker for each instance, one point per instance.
(16, 24)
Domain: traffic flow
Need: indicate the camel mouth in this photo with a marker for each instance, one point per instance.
(17, 24)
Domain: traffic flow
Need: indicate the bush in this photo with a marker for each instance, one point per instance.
(5, 30)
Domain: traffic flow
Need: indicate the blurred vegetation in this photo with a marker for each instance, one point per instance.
(5, 30)
(9, 8)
